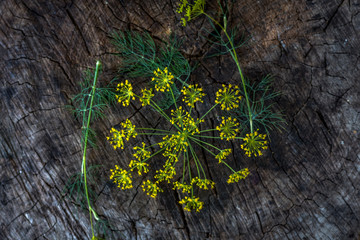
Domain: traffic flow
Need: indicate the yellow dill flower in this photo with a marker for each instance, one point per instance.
(162, 79)
(141, 152)
(192, 203)
(165, 175)
(176, 142)
(116, 138)
(125, 93)
(235, 177)
(228, 97)
(181, 6)
(228, 128)
(151, 189)
(190, 125)
(146, 96)
(129, 129)
(171, 158)
(192, 94)
(254, 143)
(178, 115)
(121, 177)
(139, 165)
(223, 154)
(182, 186)
(191, 10)
(203, 183)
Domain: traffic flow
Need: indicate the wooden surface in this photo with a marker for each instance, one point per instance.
(305, 187)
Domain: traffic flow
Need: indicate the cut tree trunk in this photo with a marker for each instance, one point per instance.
(306, 186)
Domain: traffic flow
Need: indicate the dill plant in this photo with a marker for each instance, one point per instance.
(178, 140)
(89, 106)
(254, 112)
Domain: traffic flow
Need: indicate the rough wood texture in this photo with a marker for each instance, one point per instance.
(305, 187)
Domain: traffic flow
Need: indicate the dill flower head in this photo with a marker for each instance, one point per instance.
(151, 189)
(228, 97)
(254, 143)
(235, 177)
(178, 115)
(116, 138)
(121, 177)
(228, 128)
(174, 143)
(183, 187)
(129, 130)
(146, 96)
(223, 154)
(165, 174)
(192, 94)
(162, 79)
(192, 203)
(203, 183)
(190, 125)
(141, 152)
(171, 158)
(139, 165)
(125, 93)
(191, 10)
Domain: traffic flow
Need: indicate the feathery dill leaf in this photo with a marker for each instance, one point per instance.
(263, 116)
(140, 56)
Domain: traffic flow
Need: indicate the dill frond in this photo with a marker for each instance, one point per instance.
(141, 55)
(263, 115)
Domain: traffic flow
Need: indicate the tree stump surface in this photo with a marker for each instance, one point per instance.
(306, 186)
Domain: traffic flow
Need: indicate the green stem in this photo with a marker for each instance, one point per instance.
(197, 159)
(194, 155)
(208, 111)
(206, 149)
(202, 136)
(198, 140)
(154, 129)
(83, 168)
(235, 57)
(154, 134)
(183, 176)
(208, 130)
(228, 166)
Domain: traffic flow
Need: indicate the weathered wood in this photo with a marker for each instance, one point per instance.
(305, 187)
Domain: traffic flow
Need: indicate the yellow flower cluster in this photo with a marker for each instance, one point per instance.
(254, 143)
(203, 183)
(192, 94)
(165, 174)
(116, 138)
(125, 93)
(139, 165)
(182, 186)
(229, 97)
(146, 96)
(190, 126)
(171, 158)
(121, 177)
(129, 130)
(176, 142)
(235, 177)
(223, 154)
(228, 128)
(151, 189)
(192, 203)
(191, 10)
(141, 152)
(162, 79)
(178, 115)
